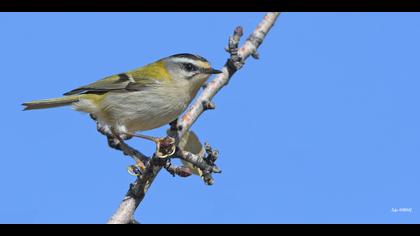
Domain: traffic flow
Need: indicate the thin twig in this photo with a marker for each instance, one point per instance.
(197, 160)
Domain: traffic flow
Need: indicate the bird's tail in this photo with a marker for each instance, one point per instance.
(52, 102)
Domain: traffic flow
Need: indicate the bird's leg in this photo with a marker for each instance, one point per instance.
(165, 147)
(153, 139)
(118, 143)
(112, 141)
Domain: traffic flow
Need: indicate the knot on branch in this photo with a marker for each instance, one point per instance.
(256, 41)
(212, 154)
(208, 105)
(210, 159)
(235, 62)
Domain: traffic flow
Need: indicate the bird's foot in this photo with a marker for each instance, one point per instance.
(165, 147)
(116, 141)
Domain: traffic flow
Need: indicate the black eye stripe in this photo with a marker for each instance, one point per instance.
(190, 67)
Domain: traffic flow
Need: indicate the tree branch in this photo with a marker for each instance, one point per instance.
(137, 191)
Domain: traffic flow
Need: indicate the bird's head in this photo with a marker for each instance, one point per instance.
(189, 70)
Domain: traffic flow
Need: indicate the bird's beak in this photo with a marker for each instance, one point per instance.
(211, 71)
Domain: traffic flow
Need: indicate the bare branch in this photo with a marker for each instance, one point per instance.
(137, 191)
(198, 161)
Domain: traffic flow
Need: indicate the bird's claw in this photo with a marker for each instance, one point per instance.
(165, 147)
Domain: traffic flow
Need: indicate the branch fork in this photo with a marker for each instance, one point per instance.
(235, 60)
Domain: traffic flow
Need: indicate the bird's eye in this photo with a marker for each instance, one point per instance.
(190, 67)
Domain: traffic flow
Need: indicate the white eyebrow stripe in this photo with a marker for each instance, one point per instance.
(185, 60)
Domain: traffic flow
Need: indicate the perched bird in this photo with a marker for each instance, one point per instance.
(138, 100)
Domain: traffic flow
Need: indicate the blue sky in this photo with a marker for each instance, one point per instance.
(336, 94)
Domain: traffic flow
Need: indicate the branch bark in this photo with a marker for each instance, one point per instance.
(137, 191)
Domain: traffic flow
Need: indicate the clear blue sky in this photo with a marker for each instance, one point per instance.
(336, 94)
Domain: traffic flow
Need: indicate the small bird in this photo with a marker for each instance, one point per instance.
(138, 100)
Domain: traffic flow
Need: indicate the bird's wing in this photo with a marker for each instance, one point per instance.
(121, 82)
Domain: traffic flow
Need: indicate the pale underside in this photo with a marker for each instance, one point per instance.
(131, 112)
